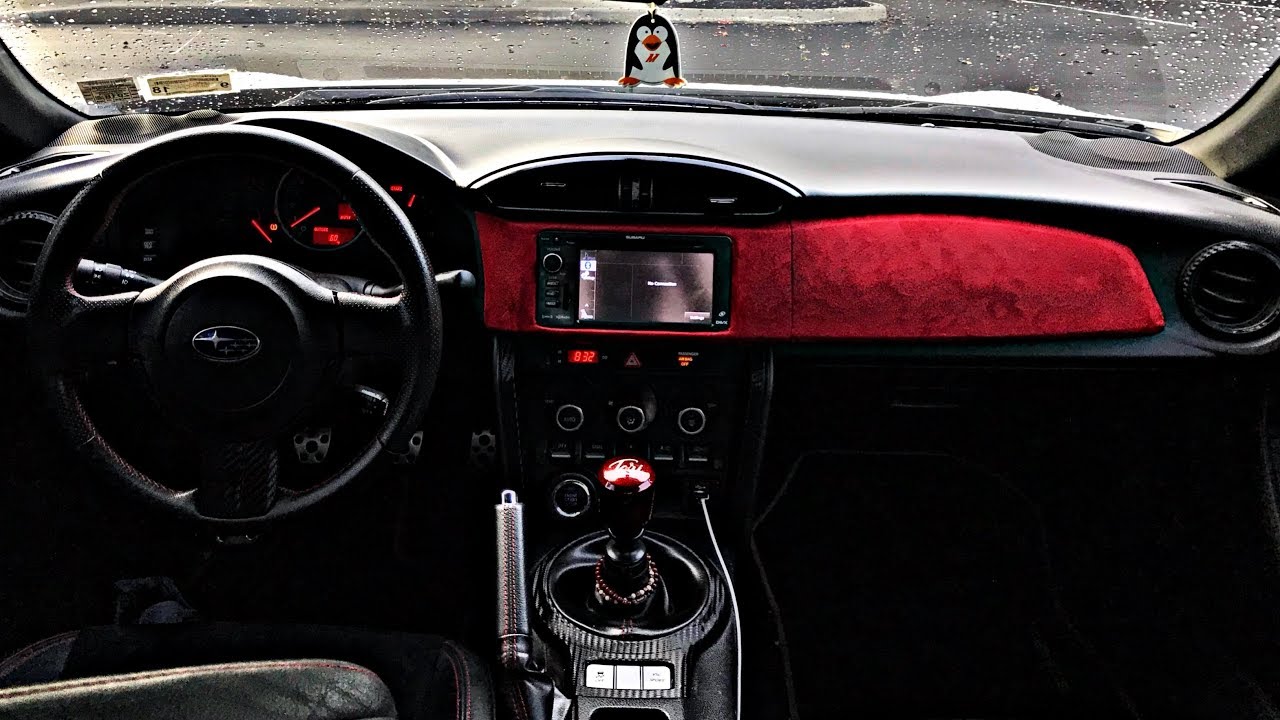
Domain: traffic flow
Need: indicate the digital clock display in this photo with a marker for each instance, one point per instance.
(584, 357)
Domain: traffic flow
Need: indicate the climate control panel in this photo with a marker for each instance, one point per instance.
(580, 403)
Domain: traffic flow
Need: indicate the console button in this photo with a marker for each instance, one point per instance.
(692, 420)
(627, 677)
(600, 676)
(595, 451)
(571, 497)
(552, 262)
(664, 452)
(656, 677)
(697, 454)
(632, 419)
(561, 450)
(569, 417)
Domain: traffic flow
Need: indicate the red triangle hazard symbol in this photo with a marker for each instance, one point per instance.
(633, 361)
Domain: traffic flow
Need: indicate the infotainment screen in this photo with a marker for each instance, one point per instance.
(645, 287)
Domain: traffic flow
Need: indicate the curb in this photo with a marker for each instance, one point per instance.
(127, 13)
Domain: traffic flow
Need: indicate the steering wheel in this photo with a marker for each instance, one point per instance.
(271, 339)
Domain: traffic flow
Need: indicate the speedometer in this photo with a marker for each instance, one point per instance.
(313, 214)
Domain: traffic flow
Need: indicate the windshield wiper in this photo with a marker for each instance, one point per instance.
(567, 96)
(951, 113)
(562, 96)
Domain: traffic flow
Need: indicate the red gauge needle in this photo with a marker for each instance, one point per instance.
(261, 232)
(310, 212)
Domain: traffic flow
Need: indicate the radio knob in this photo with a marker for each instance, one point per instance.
(692, 420)
(552, 262)
(569, 417)
(632, 419)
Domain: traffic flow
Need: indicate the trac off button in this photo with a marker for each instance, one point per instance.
(655, 677)
(600, 676)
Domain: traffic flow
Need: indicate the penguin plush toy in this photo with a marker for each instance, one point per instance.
(652, 54)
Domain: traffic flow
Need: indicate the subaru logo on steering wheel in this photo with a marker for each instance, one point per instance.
(226, 343)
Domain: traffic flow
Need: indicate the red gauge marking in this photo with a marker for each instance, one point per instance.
(261, 232)
(411, 199)
(310, 212)
(345, 212)
(396, 188)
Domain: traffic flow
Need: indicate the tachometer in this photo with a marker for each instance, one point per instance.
(313, 214)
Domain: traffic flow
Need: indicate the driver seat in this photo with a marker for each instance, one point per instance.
(232, 671)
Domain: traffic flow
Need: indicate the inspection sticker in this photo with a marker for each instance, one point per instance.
(188, 84)
(112, 91)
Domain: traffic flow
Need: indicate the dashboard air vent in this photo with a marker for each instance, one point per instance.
(636, 186)
(22, 237)
(1232, 289)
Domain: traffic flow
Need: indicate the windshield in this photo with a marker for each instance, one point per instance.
(1169, 63)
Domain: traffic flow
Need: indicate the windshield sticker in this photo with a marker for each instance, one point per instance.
(653, 56)
(161, 86)
(111, 91)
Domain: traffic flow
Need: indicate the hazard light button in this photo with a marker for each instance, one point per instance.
(632, 361)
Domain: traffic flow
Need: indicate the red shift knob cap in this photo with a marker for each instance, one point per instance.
(626, 475)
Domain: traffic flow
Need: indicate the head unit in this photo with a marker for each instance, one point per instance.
(633, 281)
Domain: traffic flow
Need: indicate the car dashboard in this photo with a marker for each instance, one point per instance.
(773, 310)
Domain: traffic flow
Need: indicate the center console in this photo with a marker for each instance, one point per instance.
(616, 427)
(580, 402)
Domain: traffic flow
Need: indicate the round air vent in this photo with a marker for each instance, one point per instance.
(22, 237)
(1232, 289)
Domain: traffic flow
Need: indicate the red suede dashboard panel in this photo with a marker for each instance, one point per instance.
(938, 277)
(881, 277)
(761, 292)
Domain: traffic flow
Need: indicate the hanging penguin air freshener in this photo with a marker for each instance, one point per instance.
(653, 56)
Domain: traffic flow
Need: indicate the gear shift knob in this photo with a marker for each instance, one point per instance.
(626, 498)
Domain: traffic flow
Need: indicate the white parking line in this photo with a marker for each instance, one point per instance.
(1104, 12)
(1245, 5)
(188, 42)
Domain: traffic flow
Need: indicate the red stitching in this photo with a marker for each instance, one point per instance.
(457, 694)
(15, 661)
(176, 672)
(467, 672)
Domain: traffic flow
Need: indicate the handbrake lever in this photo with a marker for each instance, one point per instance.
(514, 643)
(527, 689)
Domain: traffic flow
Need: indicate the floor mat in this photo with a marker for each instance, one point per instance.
(917, 586)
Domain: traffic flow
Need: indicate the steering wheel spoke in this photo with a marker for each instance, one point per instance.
(372, 326)
(238, 479)
(93, 330)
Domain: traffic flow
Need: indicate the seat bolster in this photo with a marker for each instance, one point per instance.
(273, 690)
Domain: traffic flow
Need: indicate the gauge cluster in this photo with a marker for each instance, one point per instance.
(167, 223)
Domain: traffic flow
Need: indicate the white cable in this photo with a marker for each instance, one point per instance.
(733, 600)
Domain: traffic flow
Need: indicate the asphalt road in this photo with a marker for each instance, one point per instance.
(1180, 62)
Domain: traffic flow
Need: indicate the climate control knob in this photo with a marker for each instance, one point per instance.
(569, 417)
(632, 419)
(692, 421)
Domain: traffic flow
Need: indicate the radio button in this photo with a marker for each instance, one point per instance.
(569, 417)
(632, 419)
(552, 262)
(692, 420)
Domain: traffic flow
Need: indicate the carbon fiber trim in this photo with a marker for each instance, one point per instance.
(674, 649)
